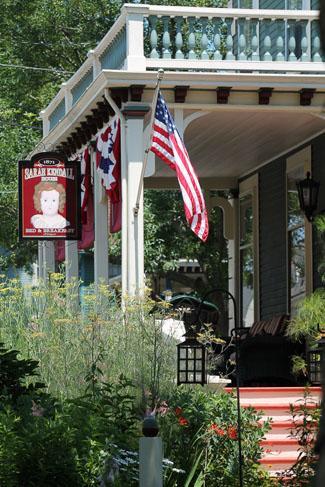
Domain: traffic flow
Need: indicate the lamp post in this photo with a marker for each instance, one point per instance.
(308, 196)
(191, 364)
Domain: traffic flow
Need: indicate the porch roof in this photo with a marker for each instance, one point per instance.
(226, 140)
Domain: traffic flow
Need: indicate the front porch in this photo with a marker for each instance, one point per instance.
(246, 88)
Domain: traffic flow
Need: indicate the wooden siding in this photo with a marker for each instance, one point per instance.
(272, 241)
(318, 170)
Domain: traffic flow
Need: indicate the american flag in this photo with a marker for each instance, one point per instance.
(169, 146)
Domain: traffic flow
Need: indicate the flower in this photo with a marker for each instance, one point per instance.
(178, 411)
(182, 421)
(37, 410)
(232, 432)
(163, 408)
(215, 428)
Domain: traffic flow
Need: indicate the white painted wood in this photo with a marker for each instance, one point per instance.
(303, 159)
(40, 260)
(72, 270)
(150, 169)
(233, 262)
(135, 59)
(205, 183)
(225, 65)
(150, 462)
(135, 244)
(71, 260)
(190, 118)
(67, 96)
(251, 186)
(101, 229)
(124, 166)
(45, 123)
(48, 258)
(228, 216)
(179, 120)
(238, 13)
(94, 58)
(293, 82)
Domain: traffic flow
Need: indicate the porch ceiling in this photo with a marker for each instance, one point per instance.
(231, 143)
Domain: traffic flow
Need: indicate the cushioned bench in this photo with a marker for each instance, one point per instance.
(265, 354)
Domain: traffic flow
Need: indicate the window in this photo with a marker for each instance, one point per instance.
(248, 251)
(296, 240)
(298, 233)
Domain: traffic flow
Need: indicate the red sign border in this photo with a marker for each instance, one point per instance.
(30, 163)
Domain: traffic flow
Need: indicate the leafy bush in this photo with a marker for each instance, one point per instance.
(305, 416)
(200, 428)
(311, 313)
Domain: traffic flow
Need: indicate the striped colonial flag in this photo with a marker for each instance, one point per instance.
(169, 146)
(108, 159)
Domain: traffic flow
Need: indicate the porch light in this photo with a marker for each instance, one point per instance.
(191, 361)
(308, 196)
(314, 360)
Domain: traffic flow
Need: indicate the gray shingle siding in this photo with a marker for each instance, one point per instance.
(318, 170)
(272, 239)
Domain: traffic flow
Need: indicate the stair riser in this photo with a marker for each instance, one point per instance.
(280, 450)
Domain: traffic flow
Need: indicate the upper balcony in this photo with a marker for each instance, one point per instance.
(206, 40)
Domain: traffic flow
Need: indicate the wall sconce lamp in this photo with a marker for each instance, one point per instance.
(308, 196)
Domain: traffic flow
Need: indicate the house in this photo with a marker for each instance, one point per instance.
(246, 87)
(247, 90)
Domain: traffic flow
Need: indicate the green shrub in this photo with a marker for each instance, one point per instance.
(200, 424)
(310, 314)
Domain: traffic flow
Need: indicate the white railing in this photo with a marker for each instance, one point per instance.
(149, 37)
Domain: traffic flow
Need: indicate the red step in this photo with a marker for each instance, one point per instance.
(281, 450)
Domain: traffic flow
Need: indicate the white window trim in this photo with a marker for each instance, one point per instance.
(296, 161)
(251, 186)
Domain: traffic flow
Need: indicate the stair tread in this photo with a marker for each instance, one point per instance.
(261, 405)
(278, 438)
(300, 389)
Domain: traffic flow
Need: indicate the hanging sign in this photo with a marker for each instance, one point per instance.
(49, 198)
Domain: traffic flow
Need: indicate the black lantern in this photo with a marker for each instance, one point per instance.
(314, 360)
(308, 196)
(191, 361)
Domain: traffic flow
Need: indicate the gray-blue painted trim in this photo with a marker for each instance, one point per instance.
(78, 90)
(114, 55)
(57, 114)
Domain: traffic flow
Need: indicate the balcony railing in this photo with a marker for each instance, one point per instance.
(148, 37)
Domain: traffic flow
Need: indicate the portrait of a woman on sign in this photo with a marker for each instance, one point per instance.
(49, 200)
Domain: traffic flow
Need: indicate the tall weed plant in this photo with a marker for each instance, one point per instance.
(99, 341)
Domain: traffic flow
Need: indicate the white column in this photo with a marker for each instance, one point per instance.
(101, 228)
(40, 260)
(179, 120)
(150, 460)
(72, 267)
(95, 63)
(45, 122)
(134, 160)
(48, 258)
(67, 96)
(135, 59)
(233, 263)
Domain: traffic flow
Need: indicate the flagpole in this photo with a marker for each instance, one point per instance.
(160, 76)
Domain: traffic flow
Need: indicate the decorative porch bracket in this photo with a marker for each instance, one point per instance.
(228, 215)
